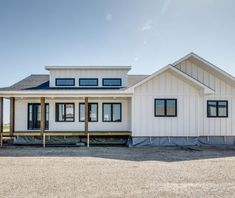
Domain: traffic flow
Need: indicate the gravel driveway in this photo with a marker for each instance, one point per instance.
(117, 172)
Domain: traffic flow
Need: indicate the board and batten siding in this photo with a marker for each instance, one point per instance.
(166, 85)
(223, 91)
(100, 74)
(21, 119)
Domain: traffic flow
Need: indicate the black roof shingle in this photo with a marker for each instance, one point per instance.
(41, 82)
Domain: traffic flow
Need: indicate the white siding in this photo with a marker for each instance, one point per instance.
(125, 125)
(88, 74)
(166, 85)
(223, 91)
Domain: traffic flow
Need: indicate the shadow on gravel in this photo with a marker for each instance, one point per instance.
(165, 154)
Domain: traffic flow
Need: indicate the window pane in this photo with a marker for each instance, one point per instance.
(160, 107)
(69, 112)
(112, 82)
(171, 107)
(30, 116)
(81, 112)
(47, 112)
(47, 117)
(212, 108)
(116, 113)
(222, 109)
(93, 112)
(107, 112)
(61, 115)
(65, 82)
(88, 82)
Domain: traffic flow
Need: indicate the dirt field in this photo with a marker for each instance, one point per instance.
(116, 172)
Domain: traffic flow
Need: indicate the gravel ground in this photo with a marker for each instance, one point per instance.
(117, 172)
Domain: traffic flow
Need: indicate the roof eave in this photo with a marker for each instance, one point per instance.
(88, 68)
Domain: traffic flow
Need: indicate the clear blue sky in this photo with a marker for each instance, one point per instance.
(147, 34)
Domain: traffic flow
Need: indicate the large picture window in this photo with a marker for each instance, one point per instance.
(34, 116)
(217, 108)
(112, 82)
(64, 112)
(165, 107)
(93, 112)
(112, 112)
(65, 82)
(88, 82)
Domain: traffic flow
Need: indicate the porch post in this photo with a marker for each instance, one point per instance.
(86, 121)
(42, 123)
(12, 116)
(1, 120)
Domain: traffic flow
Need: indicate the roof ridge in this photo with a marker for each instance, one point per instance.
(138, 74)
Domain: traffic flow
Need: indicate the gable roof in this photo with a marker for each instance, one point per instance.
(206, 64)
(207, 90)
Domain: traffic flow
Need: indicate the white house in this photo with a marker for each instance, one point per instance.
(188, 102)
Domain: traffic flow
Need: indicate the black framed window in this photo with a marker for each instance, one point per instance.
(65, 82)
(112, 82)
(93, 112)
(217, 108)
(34, 116)
(88, 82)
(64, 112)
(112, 112)
(165, 107)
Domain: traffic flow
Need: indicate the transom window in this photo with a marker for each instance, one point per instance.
(65, 82)
(217, 108)
(88, 82)
(93, 112)
(165, 107)
(112, 112)
(34, 116)
(112, 82)
(64, 112)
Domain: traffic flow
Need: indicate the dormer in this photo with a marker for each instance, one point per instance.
(105, 77)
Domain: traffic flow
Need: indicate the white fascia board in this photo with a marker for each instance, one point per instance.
(206, 89)
(210, 65)
(88, 67)
(149, 78)
(64, 93)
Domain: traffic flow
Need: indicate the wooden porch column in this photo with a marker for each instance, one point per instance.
(12, 116)
(1, 120)
(86, 120)
(43, 120)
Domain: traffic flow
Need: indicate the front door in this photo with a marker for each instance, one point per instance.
(34, 116)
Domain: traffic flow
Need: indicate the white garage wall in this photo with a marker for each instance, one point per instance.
(223, 91)
(166, 85)
(21, 116)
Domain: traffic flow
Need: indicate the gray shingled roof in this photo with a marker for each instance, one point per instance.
(41, 82)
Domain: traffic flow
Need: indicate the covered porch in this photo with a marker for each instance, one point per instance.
(20, 115)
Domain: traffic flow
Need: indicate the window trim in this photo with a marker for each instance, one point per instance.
(217, 109)
(96, 79)
(165, 107)
(57, 112)
(112, 103)
(36, 129)
(111, 79)
(56, 82)
(97, 111)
